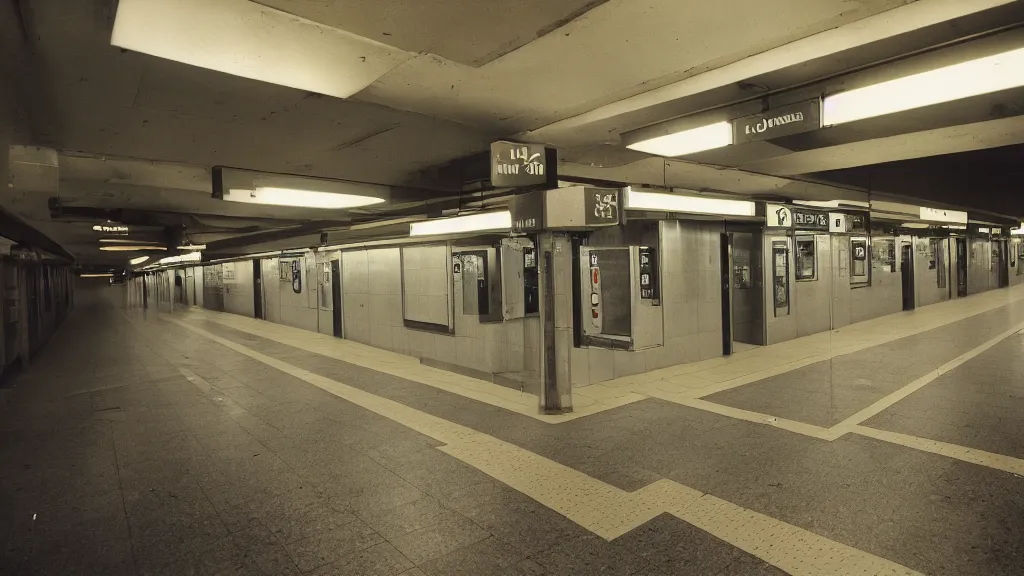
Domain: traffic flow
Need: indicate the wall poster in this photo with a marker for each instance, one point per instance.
(780, 273)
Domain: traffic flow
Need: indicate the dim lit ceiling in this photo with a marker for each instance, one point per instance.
(134, 136)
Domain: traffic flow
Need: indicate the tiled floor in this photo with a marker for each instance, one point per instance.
(193, 444)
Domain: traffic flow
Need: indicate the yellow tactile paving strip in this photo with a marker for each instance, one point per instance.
(409, 368)
(599, 507)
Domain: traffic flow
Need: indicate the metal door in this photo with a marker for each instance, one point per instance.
(907, 271)
(961, 267)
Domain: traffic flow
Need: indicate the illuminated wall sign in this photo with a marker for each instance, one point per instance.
(117, 229)
(601, 206)
(779, 216)
(950, 216)
(514, 165)
(783, 121)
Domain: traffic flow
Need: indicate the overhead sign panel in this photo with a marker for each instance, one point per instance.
(938, 215)
(515, 165)
(783, 121)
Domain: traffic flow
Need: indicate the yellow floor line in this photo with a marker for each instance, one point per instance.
(602, 508)
(971, 455)
(408, 368)
(894, 397)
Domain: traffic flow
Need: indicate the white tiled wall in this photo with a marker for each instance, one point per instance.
(372, 309)
(690, 269)
(238, 288)
(425, 272)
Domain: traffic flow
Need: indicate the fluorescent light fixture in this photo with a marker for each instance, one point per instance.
(487, 221)
(916, 225)
(190, 257)
(139, 260)
(301, 198)
(636, 200)
(95, 275)
(971, 78)
(950, 216)
(955, 227)
(246, 39)
(833, 203)
(192, 247)
(688, 141)
(131, 248)
(120, 241)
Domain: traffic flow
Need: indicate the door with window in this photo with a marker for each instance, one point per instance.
(744, 288)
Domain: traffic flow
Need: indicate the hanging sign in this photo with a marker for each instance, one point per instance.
(783, 121)
(780, 216)
(514, 164)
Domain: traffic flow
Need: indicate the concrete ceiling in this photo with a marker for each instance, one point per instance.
(481, 70)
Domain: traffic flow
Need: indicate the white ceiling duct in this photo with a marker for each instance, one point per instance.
(250, 40)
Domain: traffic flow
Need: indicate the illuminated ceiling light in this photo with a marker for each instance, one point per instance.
(299, 198)
(955, 227)
(254, 41)
(488, 221)
(688, 141)
(833, 203)
(916, 225)
(130, 241)
(944, 216)
(190, 257)
(95, 275)
(192, 247)
(971, 78)
(657, 201)
(138, 260)
(131, 248)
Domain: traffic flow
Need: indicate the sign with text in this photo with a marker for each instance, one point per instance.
(601, 206)
(783, 121)
(514, 165)
(780, 216)
(527, 212)
(648, 274)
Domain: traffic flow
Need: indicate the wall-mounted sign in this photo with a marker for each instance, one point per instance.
(784, 121)
(837, 223)
(780, 216)
(648, 274)
(601, 206)
(296, 277)
(809, 220)
(527, 212)
(514, 164)
(116, 229)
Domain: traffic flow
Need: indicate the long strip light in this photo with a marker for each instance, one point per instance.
(971, 78)
(131, 248)
(139, 260)
(488, 221)
(95, 275)
(190, 257)
(657, 201)
(688, 141)
(300, 198)
(192, 247)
